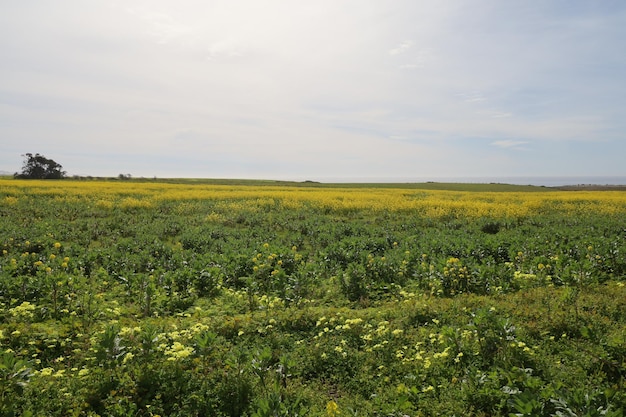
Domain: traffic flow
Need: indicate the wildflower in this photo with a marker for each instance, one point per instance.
(25, 309)
(332, 409)
(443, 354)
(124, 331)
(57, 245)
(178, 351)
(354, 321)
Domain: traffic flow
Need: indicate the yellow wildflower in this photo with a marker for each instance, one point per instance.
(332, 409)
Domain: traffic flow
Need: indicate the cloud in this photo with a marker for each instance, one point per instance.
(499, 114)
(401, 48)
(494, 114)
(510, 144)
(161, 25)
(420, 59)
(473, 97)
(229, 48)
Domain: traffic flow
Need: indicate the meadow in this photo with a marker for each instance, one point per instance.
(155, 298)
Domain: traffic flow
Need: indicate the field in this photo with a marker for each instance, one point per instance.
(130, 298)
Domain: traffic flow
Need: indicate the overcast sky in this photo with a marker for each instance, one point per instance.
(297, 90)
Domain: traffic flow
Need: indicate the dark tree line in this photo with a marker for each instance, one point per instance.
(39, 167)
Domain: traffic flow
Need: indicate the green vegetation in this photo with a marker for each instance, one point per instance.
(39, 167)
(242, 304)
(450, 186)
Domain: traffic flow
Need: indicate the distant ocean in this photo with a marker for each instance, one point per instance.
(539, 181)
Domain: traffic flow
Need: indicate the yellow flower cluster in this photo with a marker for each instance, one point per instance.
(25, 310)
(245, 198)
(178, 351)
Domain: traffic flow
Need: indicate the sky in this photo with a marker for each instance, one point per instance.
(326, 89)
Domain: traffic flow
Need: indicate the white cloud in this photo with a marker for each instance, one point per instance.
(420, 59)
(473, 97)
(225, 48)
(161, 26)
(510, 144)
(401, 48)
(499, 114)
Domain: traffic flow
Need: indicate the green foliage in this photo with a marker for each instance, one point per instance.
(189, 308)
(39, 167)
(14, 376)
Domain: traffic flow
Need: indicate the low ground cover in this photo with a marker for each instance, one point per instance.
(122, 298)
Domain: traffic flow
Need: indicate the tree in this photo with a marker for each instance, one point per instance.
(39, 167)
